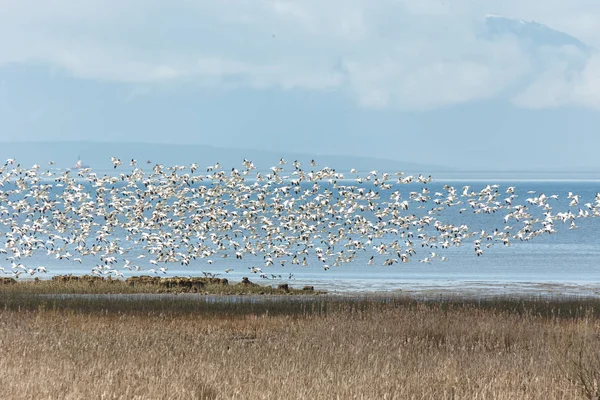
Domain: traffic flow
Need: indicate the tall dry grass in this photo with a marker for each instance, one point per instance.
(317, 349)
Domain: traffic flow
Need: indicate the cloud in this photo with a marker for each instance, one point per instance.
(386, 54)
(587, 90)
(565, 77)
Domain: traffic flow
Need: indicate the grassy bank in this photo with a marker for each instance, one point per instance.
(293, 348)
(71, 284)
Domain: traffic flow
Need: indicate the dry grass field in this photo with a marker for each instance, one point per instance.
(66, 284)
(318, 348)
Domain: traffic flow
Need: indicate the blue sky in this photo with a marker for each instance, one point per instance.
(410, 80)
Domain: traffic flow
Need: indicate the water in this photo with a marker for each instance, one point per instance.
(565, 262)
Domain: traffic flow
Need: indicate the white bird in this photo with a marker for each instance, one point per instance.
(177, 214)
(115, 161)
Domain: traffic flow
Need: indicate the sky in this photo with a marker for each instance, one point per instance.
(418, 81)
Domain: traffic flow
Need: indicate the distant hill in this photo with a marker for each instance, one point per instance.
(530, 31)
(97, 155)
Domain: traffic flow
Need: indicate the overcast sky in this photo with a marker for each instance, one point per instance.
(408, 80)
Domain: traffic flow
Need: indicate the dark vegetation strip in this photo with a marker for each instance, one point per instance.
(322, 305)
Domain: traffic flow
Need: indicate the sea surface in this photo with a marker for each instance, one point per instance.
(564, 263)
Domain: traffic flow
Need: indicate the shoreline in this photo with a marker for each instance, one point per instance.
(150, 285)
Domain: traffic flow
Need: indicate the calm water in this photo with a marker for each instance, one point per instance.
(568, 261)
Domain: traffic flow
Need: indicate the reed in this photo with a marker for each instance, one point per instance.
(318, 347)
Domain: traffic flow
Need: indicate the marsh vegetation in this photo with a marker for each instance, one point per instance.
(298, 348)
(89, 284)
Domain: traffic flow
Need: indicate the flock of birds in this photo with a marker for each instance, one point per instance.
(290, 215)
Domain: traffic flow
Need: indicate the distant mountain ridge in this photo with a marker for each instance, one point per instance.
(534, 32)
(98, 154)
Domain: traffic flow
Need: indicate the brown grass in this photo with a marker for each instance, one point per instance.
(68, 284)
(325, 348)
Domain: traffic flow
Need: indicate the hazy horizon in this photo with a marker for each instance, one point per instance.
(97, 155)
